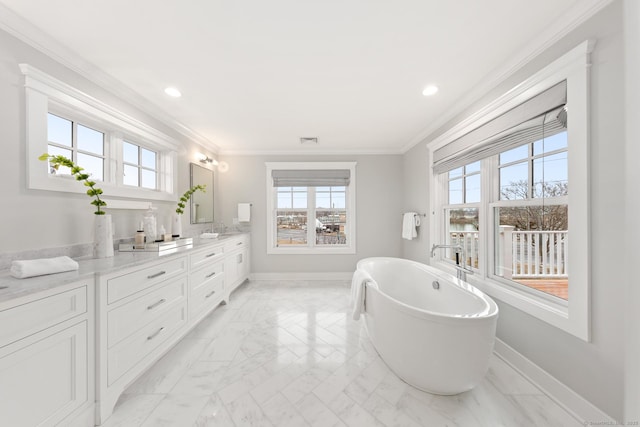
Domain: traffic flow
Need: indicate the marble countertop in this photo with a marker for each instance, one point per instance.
(12, 288)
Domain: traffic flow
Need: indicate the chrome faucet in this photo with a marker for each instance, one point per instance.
(461, 269)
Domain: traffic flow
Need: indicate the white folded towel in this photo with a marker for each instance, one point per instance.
(39, 267)
(209, 235)
(410, 220)
(358, 283)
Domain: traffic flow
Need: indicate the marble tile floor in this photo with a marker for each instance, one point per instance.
(288, 354)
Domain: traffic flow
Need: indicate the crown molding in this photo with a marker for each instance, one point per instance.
(28, 33)
(562, 26)
(352, 152)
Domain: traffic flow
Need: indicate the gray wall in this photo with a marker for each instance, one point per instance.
(632, 154)
(594, 370)
(32, 219)
(379, 195)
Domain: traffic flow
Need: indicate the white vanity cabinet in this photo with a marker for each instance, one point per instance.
(141, 313)
(46, 358)
(236, 264)
(206, 281)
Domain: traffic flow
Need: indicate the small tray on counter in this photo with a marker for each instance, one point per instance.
(160, 247)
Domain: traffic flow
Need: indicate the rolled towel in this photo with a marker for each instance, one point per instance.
(40, 267)
(209, 236)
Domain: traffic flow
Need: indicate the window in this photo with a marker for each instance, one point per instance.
(312, 207)
(82, 144)
(531, 216)
(132, 159)
(139, 166)
(511, 188)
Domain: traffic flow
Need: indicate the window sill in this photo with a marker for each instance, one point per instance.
(567, 317)
(310, 251)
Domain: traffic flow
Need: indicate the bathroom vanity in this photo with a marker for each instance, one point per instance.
(70, 343)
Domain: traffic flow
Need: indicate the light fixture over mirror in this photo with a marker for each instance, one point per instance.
(204, 159)
(201, 202)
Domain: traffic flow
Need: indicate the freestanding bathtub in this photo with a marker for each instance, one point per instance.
(438, 340)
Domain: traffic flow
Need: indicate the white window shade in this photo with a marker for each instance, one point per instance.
(541, 116)
(311, 178)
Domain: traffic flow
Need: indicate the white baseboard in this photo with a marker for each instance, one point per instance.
(572, 402)
(302, 276)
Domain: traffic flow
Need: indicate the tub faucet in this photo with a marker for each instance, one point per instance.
(461, 269)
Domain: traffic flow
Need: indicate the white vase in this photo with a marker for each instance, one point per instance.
(103, 237)
(176, 225)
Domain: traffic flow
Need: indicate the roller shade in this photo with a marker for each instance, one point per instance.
(543, 115)
(311, 178)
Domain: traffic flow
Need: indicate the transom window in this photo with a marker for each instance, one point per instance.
(132, 159)
(140, 166)
(80, 143)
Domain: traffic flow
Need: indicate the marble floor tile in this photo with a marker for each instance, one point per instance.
(287, 353)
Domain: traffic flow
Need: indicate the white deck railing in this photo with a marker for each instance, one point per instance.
(521, 254)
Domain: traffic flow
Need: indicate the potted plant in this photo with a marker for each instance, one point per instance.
(103, 235)
(76, 171)
(176, 227)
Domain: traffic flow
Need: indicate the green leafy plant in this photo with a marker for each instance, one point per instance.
(185, 197)
(76, 171)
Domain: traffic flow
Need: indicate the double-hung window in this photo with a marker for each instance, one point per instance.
(510, 188)
(312, 207)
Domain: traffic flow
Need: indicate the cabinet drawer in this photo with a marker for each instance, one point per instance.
(208, 294)
(130, 283)
(130, 351)
(236, 243)
(206, 256)
(130, 317)
(205, 274)
(23, 320)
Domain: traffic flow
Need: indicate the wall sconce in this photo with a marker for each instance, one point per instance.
(206, 159)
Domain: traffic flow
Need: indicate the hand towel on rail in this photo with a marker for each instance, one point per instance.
(410, 220)
(40, 267)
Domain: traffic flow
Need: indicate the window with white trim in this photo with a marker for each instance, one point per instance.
(80, 143)
(312, 207)
(511, 188)
(132, 159)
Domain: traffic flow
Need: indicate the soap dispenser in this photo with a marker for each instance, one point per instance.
(139, 238)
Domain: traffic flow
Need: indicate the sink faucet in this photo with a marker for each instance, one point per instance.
(461, 269)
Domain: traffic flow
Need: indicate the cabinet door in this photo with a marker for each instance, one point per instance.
(44, 379)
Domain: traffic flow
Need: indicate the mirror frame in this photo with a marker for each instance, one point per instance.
(199, 195)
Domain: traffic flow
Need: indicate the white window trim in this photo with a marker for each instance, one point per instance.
(574, 316)
(44, 93)
(349, 248)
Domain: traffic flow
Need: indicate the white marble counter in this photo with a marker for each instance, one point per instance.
(12, 288)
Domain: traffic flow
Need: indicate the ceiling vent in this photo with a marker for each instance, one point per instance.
(311, 140)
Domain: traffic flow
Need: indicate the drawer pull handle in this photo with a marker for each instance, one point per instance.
(153, 276)
(210, 294)
(152, 306)
(210, 255)
(155, 334)
(210, 275)
(238, 244)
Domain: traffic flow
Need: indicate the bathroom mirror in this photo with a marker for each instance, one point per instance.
(201, 202)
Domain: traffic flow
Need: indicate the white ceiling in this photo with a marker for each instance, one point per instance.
(258, 75)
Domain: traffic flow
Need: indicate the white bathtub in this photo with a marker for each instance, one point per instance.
(438, 340)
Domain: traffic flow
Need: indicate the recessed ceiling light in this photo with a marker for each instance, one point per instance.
(173, 92)
(430, 90)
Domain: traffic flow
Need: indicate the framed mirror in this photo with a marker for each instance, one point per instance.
(201, 202)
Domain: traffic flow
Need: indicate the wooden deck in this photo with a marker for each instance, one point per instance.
(556, 287)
